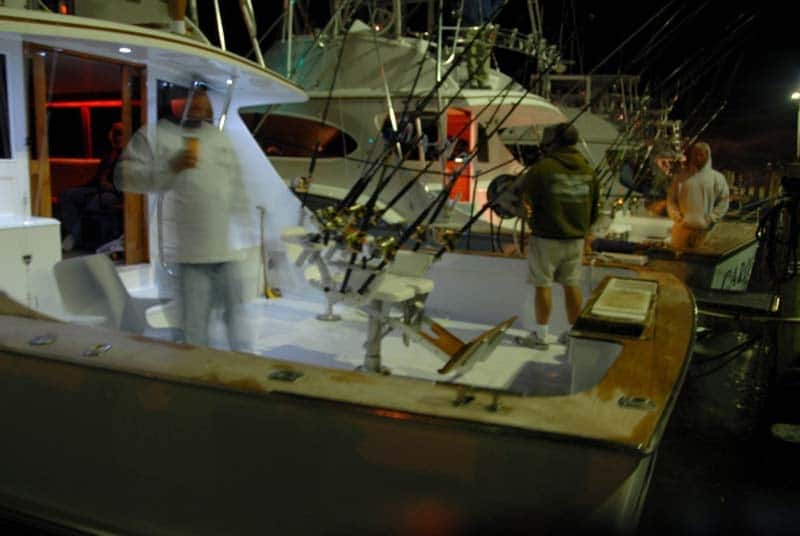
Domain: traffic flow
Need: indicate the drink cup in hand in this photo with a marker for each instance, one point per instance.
(192, 146)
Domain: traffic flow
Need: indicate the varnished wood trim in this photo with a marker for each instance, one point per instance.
(40, 187)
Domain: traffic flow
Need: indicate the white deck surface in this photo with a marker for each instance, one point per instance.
(471, 295)
(287, 328)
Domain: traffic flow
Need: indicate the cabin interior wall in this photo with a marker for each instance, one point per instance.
(14, 193)
(458, 125)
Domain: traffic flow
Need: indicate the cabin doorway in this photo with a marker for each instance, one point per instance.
(461, 132)
(83, 110)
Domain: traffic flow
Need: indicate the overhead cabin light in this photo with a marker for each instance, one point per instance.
(42, 53)
(125, 50)
(229, 81)
(796, 95)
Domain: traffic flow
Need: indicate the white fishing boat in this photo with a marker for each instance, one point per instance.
(447, 425)
(459, 118)
(462, 118)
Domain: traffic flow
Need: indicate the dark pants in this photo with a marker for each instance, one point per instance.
(74, 201)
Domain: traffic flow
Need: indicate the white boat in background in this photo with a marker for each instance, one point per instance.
(460, 114)
(363, 82)
(113, 426)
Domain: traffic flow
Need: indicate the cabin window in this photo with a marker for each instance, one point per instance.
(428, 125)
(5, 128)
(290, 135)
(62, 126)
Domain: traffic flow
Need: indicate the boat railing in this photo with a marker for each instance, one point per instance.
(616, 97)
(482, 40)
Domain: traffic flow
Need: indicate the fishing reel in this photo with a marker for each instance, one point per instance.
(329, 219)
(355, 240)
(356, 213)
(421, 233)
(301, 185)
(447, 239)
(505, 199)
(388, 248)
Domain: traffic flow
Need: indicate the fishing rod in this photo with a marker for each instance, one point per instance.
(504, 92)
(627, 40)
(490, 204)
(661, 37)
(407, 234)
(440, 200)
(722, 105)
(419, 136)
(700, 64)
(412, 228)
(653, 43)
(367, 213)
(396, 132)
(362, 183)
(638, 177)
(369, 207)
(317, 146)
(442, 150)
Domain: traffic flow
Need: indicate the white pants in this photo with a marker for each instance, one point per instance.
(204, 286)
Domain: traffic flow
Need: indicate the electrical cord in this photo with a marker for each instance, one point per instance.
(731, 355)
(779, 231)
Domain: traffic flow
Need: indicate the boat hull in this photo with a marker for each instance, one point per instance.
(102, 449)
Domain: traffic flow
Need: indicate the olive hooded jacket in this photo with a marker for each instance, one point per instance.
(563, 193)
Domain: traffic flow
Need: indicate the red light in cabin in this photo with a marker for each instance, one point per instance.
(89, 103)
(63, 8)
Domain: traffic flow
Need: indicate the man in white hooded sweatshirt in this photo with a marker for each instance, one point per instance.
(195, 162)
(696, 200)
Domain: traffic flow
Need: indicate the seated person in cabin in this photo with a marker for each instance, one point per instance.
(195, 166)
(697, 199)
(563, 193)
(98, 193)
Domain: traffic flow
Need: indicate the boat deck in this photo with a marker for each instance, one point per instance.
(287, 328)
(607, 387)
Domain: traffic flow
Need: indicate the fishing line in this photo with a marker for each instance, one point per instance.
(359, 187)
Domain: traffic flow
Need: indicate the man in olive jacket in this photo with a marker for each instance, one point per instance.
(562, 192)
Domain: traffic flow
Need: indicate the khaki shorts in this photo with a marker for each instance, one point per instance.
(684, 238)
(555, 260)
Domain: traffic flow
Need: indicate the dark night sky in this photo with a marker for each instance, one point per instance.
(753, 67)
(758, 122)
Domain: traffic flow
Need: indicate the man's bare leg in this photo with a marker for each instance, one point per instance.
(544, 305)
(574, 302)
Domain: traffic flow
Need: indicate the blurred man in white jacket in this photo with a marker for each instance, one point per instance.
(697, 199)
(195, 163)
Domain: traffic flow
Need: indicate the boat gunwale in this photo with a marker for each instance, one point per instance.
(251, 373)
(353, 407)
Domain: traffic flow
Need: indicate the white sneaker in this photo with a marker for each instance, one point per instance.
(532, 340)
(68, 243)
